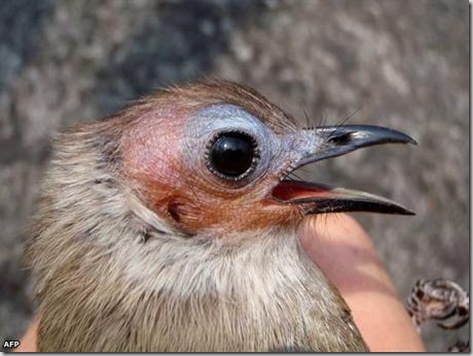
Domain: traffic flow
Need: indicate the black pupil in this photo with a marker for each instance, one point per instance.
(232, 154)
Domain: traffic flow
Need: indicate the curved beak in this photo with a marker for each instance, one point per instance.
(330, 141)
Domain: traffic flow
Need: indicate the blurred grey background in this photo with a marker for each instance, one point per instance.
(401, 64)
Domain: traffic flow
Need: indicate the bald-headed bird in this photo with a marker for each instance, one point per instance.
(173, 226)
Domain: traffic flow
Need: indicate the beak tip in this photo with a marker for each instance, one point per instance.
(410, 213)
(404, 138)
(398, 209)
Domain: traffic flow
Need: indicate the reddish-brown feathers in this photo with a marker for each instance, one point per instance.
(152, 147)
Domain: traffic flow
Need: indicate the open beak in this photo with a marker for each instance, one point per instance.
(331, 141)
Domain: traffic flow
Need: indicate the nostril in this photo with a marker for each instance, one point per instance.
(341, 139)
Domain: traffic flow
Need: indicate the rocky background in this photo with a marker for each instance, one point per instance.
(401, 64)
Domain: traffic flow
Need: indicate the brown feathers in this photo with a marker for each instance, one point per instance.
(137, 247)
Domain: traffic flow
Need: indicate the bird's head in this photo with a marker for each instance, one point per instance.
(214, 158)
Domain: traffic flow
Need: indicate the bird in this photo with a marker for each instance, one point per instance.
(172, 225)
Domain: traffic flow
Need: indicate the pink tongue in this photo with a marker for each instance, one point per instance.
(288, 191)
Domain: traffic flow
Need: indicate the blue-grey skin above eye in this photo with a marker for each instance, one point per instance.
(276, 151)
(208, 123)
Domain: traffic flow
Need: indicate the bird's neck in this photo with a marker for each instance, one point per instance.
(166, 292)
(261, 262)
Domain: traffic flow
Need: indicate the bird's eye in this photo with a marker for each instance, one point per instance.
(232, 155)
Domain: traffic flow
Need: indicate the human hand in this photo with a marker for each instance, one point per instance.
(344, 251)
